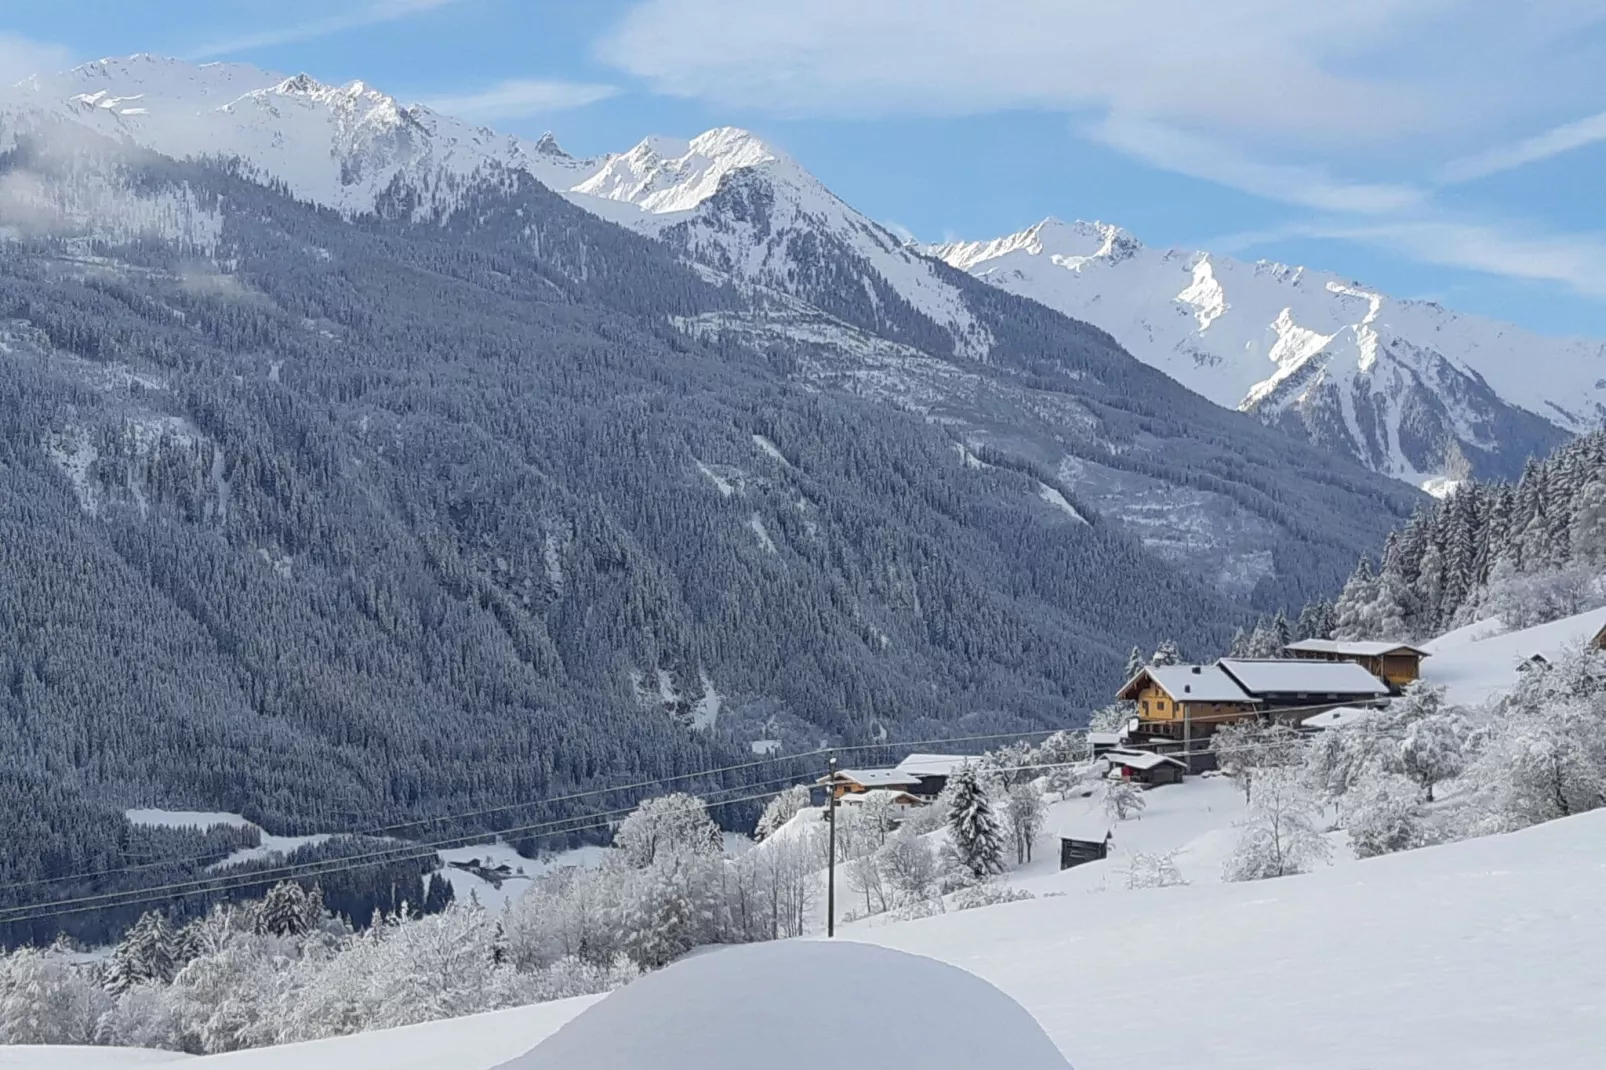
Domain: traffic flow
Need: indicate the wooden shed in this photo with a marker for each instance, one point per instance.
(1086, 840)
(1146, 767)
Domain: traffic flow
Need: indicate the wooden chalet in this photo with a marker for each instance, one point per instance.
(858, 781)
(1174, 700)
(1396, 664)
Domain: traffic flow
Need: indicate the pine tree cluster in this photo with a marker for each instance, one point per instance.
(1529, 551)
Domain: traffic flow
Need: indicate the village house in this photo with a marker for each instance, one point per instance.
(858, 781)
(1174, 700)
(933, 771)
(1179, 704)
(894, 796)
(1396, 664)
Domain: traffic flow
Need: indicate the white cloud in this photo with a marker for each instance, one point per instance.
(1552, 142)
(1197, 157)
(373, 14)
(518, 97)
(1576, 261)
(21, 56)
(1248, 65)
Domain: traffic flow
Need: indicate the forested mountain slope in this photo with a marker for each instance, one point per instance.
(334, 520)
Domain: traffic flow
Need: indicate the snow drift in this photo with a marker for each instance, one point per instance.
(789, 1005)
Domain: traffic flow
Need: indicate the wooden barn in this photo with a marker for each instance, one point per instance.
(1396, 664)
(1085, 840)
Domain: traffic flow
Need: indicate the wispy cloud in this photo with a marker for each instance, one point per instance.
(22, 56)
(373, 14)
(1306, 186)
(1502, 249)
(1552, 142)
(519, 97)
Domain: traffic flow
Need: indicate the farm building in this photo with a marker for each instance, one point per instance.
(932, 770)
(1176, 699)
(1146, 767)
(1290, 684)
(1396, 664)
(1087, 839)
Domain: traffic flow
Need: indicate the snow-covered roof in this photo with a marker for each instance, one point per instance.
(933, 764)
(1105, 739)
(1338, 718)
(1192, 683)
(1141, 759)
(895, 795)
(1089, 828)
(874, 778)
(1363, 649)
(1294, 676)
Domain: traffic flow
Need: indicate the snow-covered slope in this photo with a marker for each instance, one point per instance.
(1407, 387)
(1419, 959)
(1481, 660)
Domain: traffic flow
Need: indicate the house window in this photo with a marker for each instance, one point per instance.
(1145, 706)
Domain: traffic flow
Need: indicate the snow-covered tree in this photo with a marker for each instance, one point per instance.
(1315, 621)
(1111, 718)
(1123, 800)
(781, 809)
(1542, 764)
(974, 834)
(1382, 814)
(147, 952)
(1281, 835)
(284, 911)
(1148, 869)
(43, 1000)
(1244, 749)
(1431, 751)
(1024, 811)
(910, 867)
(1134, 663)
(1165, 654)
(669, 827)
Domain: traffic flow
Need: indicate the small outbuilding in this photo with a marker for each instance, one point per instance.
(1087, 839)
(1146, 767)
(857, 781)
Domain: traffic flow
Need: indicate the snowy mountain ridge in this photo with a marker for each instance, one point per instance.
(1408, 387)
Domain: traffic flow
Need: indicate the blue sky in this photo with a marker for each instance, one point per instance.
(1449, 149)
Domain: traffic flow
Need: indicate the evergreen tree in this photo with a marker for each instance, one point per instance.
(1165, 654)
(974, 833)
(147, 952)
(283, 911)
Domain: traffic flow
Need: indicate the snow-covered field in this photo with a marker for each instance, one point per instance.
(1480, 660)
(1473, 955)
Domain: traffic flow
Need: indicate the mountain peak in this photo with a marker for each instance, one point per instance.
(548, 145)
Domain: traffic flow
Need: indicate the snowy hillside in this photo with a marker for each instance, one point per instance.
(1408, 387)
(1481, 660)
(1393, 963)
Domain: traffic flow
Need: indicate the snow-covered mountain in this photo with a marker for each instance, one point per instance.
(1410, 388)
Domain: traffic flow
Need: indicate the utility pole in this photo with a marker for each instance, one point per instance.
(1187, 736)
(830, 866)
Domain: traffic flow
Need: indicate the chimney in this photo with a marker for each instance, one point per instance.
(1197, 670)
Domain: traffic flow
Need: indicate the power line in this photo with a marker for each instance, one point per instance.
(383, 830)
(407, 852)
